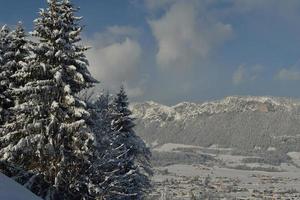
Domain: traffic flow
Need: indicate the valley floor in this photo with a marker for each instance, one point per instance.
(222, 175)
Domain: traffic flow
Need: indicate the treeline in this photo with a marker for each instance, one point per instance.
(52, 141)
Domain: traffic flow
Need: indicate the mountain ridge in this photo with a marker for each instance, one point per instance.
(231, 121)
(227, 104)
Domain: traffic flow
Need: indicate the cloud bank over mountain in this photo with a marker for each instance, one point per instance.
(208, 49)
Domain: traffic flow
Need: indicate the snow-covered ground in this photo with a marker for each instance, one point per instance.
(169, 147)
(295, 157)
(228, 177)
(173, 147)
(10, 190)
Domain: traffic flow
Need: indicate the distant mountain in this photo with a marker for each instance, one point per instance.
(236, 121)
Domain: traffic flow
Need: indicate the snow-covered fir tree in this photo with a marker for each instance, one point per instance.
(131, 168)
(100, 122)
(105, 168)
(49, 141)
(101, 116)
(14, 56)
(49, 137)
(123, 169)
(5, 72)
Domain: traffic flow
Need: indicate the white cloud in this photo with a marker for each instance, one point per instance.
(186, 35)
(115, 57)
(290, 74)
(123, 30)
(156, 4)
(134, 91)
(113, 34)
(239, 75)
(117, 61)
(245, 74)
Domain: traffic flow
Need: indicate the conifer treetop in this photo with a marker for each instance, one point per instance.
(58, 31)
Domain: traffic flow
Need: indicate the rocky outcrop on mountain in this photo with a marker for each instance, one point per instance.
(236, 121)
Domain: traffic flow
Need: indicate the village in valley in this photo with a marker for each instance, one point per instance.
(219, 178)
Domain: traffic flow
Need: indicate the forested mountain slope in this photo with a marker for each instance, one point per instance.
(242, 122)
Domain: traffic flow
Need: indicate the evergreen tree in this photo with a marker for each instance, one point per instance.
(14, 55)
(5, 72)
(20, 56)
(106, 167)
(122, 169)
(101, 115)
(49, 137)
(131, 166)
(100, 122)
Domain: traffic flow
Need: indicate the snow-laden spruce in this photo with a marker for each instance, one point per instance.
(134, 157)
(13, 56)
(49, 136)
(4, 32)
(99, 122)
(123, 167)
(52, 142)
(5, 72)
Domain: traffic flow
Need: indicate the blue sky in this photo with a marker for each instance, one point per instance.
(186, 50)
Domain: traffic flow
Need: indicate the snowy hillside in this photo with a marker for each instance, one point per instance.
(10, 190)
(232, 121)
